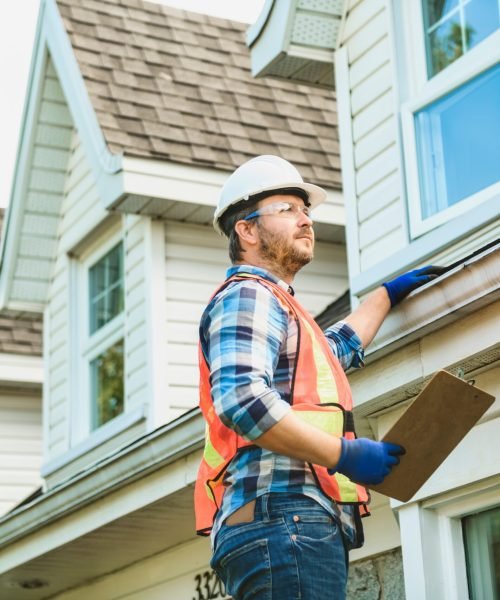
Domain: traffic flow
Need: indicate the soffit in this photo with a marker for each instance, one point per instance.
(122, 542)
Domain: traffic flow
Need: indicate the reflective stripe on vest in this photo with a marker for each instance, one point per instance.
(320, 396)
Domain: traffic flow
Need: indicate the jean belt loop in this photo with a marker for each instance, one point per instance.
(265, 506)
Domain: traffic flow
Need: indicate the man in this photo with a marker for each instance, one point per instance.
(280, 486)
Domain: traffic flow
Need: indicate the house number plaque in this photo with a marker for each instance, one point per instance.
(209, 587)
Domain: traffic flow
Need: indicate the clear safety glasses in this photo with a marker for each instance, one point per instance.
(280, 209)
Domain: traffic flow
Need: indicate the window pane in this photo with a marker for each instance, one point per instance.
(106, 288)
(458, 143)
(453, 27)
(107, 385)
(481, 20)
(445, 44)
(437, 9)
(482, 550)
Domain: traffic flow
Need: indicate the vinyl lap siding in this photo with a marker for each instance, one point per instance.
(137, 385)
(52, 134)
(195, 263)
(20, 448)
(80, 200)
(374, 132)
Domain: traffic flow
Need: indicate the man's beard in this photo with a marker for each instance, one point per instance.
(279, 253)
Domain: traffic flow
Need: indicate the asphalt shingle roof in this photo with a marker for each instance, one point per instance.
(20, 334)
(173, 85)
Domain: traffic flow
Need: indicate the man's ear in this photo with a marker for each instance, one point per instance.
(247, 232)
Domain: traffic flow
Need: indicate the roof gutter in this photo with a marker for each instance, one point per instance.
(153, 451)
(471, 284)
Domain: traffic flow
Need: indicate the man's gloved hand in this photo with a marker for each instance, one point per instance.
(365, 461)
(401, 286)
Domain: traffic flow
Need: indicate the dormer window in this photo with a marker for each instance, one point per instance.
(106, 302)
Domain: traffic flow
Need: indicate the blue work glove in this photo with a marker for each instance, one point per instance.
(367, 462)
(401, 286)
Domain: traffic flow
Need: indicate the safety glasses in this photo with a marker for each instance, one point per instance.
(280, 209)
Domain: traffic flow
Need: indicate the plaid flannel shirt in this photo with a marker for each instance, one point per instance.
(249, 342)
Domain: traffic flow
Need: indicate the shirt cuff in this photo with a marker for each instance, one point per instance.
(350, 348)
(251, 422)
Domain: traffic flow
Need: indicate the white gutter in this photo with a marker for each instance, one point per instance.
(469, 286)
(410, 347)
(151, 452)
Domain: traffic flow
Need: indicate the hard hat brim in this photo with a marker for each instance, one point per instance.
(316, 196)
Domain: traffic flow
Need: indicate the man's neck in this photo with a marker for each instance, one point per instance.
(273, 269)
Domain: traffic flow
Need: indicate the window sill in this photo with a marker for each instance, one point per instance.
(95, 438)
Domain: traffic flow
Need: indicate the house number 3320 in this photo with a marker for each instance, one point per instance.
(208, 586)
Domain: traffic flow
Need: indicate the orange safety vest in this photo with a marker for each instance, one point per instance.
(320, 395)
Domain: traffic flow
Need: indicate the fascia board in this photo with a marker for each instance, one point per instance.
(199, 185)
(106, 167)
(162, 447)
(11, 230)
(426, 246)
(21, 369)
(162, 179)
(468, 287)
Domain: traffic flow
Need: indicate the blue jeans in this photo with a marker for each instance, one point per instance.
(293, 549)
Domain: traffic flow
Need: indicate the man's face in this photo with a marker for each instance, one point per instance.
(285, 241)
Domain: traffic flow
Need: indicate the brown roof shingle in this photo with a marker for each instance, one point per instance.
(173, 85)
(19, 334)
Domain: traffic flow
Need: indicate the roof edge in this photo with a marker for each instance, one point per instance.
(52, 38)
(197, 185)
(153, 451)
(103, 161)
(441, 301)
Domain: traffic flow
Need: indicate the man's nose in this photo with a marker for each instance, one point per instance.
(304, 220)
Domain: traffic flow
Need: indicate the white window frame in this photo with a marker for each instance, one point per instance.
(433, 543)
(450, 509)
(88, 346)
(424, 91)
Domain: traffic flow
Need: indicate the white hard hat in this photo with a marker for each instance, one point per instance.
(262, 174)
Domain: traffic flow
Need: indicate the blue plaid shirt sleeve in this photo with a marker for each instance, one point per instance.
(345, 344)
(241, 333)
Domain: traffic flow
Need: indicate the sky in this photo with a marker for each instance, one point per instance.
(17, 32)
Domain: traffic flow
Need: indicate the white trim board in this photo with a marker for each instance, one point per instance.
(21, 369)
(198, 185)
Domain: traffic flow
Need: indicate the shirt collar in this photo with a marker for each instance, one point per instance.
(261, 273)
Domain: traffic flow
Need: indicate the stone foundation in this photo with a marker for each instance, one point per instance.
(377, 578)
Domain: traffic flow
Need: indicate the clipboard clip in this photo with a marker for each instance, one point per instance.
(461, 375)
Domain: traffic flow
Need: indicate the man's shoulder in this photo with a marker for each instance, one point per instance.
(249, 287)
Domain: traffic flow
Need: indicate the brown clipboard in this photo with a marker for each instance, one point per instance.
(430, 428)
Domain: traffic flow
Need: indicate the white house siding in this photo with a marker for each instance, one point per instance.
(137, 385)
(79, 206)
(196, 262)
(375, 158)
(52, 134)
(20, 447)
